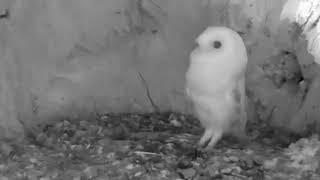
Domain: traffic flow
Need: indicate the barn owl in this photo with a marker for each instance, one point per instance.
(215, 84)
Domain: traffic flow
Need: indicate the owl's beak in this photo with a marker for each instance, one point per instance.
(241, 33)
(195, 46)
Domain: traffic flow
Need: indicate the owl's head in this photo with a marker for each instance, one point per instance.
(219, 43)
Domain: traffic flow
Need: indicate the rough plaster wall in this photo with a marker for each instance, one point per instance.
(10, 91)
(77, 56)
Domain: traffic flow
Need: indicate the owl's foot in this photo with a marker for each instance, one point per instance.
(210, 138)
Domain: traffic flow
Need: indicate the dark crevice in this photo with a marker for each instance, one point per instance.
(314, 24)
(5, 14)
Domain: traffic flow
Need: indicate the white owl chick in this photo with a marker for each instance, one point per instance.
(215, 83)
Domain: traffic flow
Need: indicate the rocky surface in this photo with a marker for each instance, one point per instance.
(154, 146)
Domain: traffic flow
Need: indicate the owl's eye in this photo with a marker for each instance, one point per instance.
(217, 44)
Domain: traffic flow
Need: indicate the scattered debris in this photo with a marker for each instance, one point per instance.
(152, 146)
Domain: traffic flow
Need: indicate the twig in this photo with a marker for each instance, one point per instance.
(235, 175)
(145, 84)
(159, 7)
(146, 153)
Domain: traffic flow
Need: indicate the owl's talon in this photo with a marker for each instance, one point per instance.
(205, 138)
(209, 139)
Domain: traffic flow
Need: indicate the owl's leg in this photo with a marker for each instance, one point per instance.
(214, 139)
(211, 136)
(206, 137)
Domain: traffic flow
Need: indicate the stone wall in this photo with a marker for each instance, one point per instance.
(73, 57)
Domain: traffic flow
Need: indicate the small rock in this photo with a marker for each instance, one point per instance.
(175, 123)
(267, 140)
(45, 178)
(76, 175)
(49, 142)
(58, 126)
(226, 170)
(93, 129)
(107, 132)
(76, 178)
(84, 124)
(111, 155)
(254, 134)
(130, 167)
(270, 164)
(77, 148)
(32, 176)
(187, 173)
(99, 150)
(33, 160)
(3, 178)
(164, 173)
(66, 123)
(6, 149)
(236, 169)
(247, 163)
(90, 172)
(100, 131)
(120, 132)
(182, 118)
(3, 167)
(184, 164)
(231, 159)
(54, 174)
(105, 142)
(137, 174)
(104, 117)
(249, 151)
(79, 133)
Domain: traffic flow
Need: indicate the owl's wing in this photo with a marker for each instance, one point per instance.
(187, 93)
(241, 100)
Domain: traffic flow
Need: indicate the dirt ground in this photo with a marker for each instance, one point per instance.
(154, 146)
